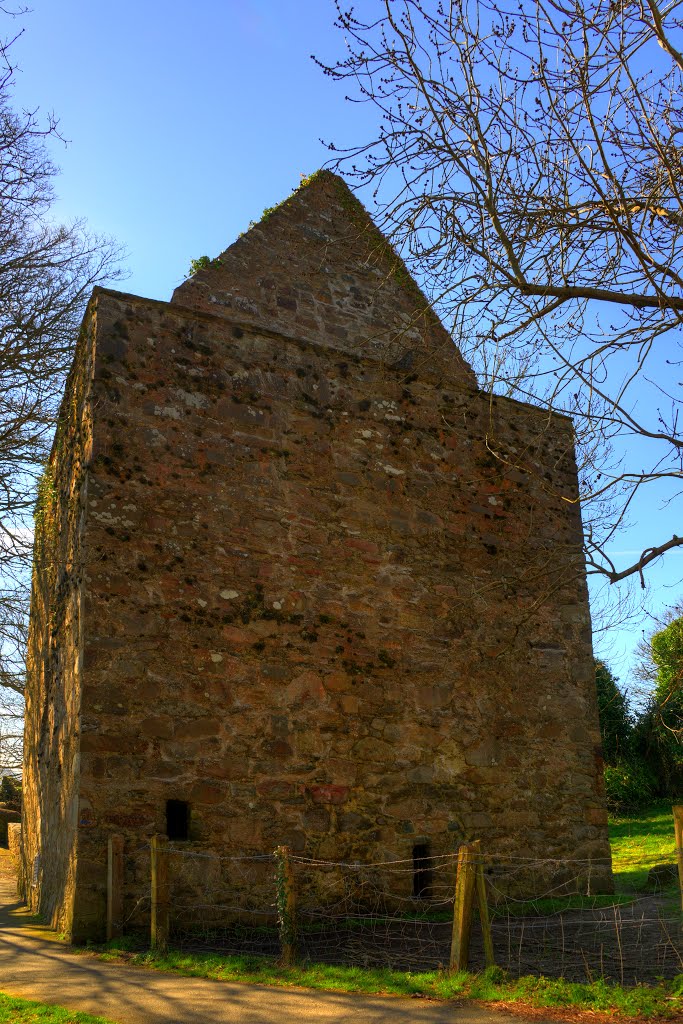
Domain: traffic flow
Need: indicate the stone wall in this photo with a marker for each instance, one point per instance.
(7, 816)
(334, 619)
(333, 596)
(316, 268)
(54, 657)
(14, 846)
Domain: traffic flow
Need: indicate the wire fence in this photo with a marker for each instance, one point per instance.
(546, 916)
(223, 904)
(392, 915)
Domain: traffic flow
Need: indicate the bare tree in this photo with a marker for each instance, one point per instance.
(47, 272)
(528, 164)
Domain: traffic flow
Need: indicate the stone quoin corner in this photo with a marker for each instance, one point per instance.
(298, 581)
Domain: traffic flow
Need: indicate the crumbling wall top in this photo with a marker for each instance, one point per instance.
(317, 268)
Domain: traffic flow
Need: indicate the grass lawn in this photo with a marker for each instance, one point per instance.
(640, 841)
(25, 1011)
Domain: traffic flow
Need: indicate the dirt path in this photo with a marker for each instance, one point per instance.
(36, 965)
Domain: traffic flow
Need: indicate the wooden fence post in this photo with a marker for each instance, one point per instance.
(678, 831)
(483, 906)
(160, 894)
(462, 906)
(114, 887)
(286, 905)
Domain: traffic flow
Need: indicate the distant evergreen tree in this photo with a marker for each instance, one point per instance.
(616, 722)
(629, 778)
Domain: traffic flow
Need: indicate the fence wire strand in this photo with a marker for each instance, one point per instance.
(399, 914)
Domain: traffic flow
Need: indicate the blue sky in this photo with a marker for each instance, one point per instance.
(184, 123)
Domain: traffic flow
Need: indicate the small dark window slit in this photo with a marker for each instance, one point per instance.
(422, 872)
(177, 819)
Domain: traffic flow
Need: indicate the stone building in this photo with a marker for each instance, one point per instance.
(297, 580)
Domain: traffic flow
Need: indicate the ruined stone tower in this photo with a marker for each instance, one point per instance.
(298, 581)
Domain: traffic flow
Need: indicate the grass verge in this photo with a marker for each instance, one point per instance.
(24, 1011)
(546, 906)
(639, 841)
(663, 1001)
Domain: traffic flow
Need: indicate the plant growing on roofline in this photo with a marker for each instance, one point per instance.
(528, 166)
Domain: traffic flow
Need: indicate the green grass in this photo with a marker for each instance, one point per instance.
(640, 841)
(493, 985)
(556, 904)
(25, 1011)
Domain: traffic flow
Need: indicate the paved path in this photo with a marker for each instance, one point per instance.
(34, 964)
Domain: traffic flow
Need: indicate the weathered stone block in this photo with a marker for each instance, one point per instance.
(330, 794)
(596, 815)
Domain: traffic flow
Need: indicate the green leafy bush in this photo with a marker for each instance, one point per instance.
(629, 783)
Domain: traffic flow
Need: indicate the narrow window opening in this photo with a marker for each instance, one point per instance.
(422, 872)
(177, 819)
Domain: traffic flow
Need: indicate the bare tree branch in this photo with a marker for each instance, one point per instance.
(529, 165)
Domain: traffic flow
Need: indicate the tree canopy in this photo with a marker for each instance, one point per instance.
(658, 735)
(667, 656)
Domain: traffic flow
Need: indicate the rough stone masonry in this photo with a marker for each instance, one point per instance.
(297, 580)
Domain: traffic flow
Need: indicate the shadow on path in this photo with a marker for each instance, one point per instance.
(36, 965)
